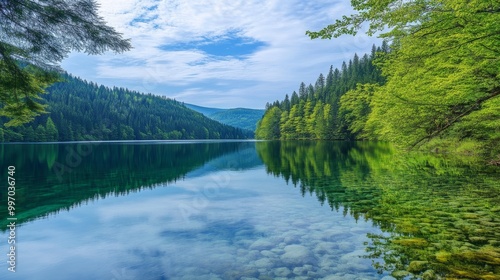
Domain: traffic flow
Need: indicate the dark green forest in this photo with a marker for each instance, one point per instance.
(81, 110)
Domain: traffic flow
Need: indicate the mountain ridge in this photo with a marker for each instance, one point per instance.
(244, 118)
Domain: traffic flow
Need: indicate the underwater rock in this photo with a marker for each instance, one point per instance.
(487, 254)
(354, 262)
(429, 275)
(299, 271)
(336, 235)
(264, 263)
(282, 272)
(333, 277)
(400, 273)
(262, 244)
(267, 253)
(478, 240)
(417, 266)
(443, 256)
(292, 239)
(296, 255)
(327, 248)
(411, 242)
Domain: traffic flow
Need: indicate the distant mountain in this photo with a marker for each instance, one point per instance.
(81, 110)
(204, 110)
(238, 117)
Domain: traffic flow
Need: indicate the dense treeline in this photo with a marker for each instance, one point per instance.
(81, 110)
(442, 89)
(380, 98)
(319, 111)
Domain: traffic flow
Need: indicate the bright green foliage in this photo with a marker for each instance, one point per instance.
(443, 71)
(42, 33)
(269, 125)
(19, 92)
(355, 108)
(86, 111)
(316, 113)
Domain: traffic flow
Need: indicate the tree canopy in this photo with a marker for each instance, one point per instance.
(82, 110)
(35, 36)
(334, 108)
(443, 70)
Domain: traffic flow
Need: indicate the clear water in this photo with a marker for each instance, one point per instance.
(246, 210)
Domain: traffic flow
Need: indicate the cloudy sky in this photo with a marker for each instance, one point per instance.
(219, 53)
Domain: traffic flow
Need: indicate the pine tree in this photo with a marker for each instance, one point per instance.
(35, 37)
(51, 130)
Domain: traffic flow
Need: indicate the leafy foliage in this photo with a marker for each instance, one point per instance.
(41, 34)
(85, 111)
(325, 111)
(443, 71)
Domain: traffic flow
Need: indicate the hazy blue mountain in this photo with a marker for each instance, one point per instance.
(238, 117)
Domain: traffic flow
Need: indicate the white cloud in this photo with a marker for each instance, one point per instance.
(287, 58)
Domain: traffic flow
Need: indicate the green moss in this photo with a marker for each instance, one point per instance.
(443, 256)
(417, 266)
(411, 242)
(470, 216)
(487, 255)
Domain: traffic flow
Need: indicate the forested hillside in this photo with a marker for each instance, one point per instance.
(243, 118)
(81, 110)
(239, 117)
(316, 112)
(443, 75)
(456, 109)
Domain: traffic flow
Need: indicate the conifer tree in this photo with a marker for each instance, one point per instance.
(34, 38)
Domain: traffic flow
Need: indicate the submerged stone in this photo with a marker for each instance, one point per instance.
(429, 275)
(262, 244)
(297, 254)
(417, 266)
(263, 263)
(400, 273)
(282, 272)
(411, 242)
(443, 256)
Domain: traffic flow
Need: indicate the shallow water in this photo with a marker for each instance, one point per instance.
(248, 210)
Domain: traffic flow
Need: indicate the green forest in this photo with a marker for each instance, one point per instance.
(433, 85)
(319, 111)
(81, 110)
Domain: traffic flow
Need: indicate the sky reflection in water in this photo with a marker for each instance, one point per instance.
(216, 223)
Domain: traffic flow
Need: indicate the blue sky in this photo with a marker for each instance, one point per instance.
(219, 53)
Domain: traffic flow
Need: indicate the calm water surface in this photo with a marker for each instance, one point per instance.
(248, 210)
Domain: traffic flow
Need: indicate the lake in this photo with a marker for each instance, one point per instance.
(247, 210)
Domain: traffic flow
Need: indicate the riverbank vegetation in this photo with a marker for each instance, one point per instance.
(435, 84)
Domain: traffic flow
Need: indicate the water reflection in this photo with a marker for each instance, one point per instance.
(440, 215)
(221, 216)
(54, 177)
